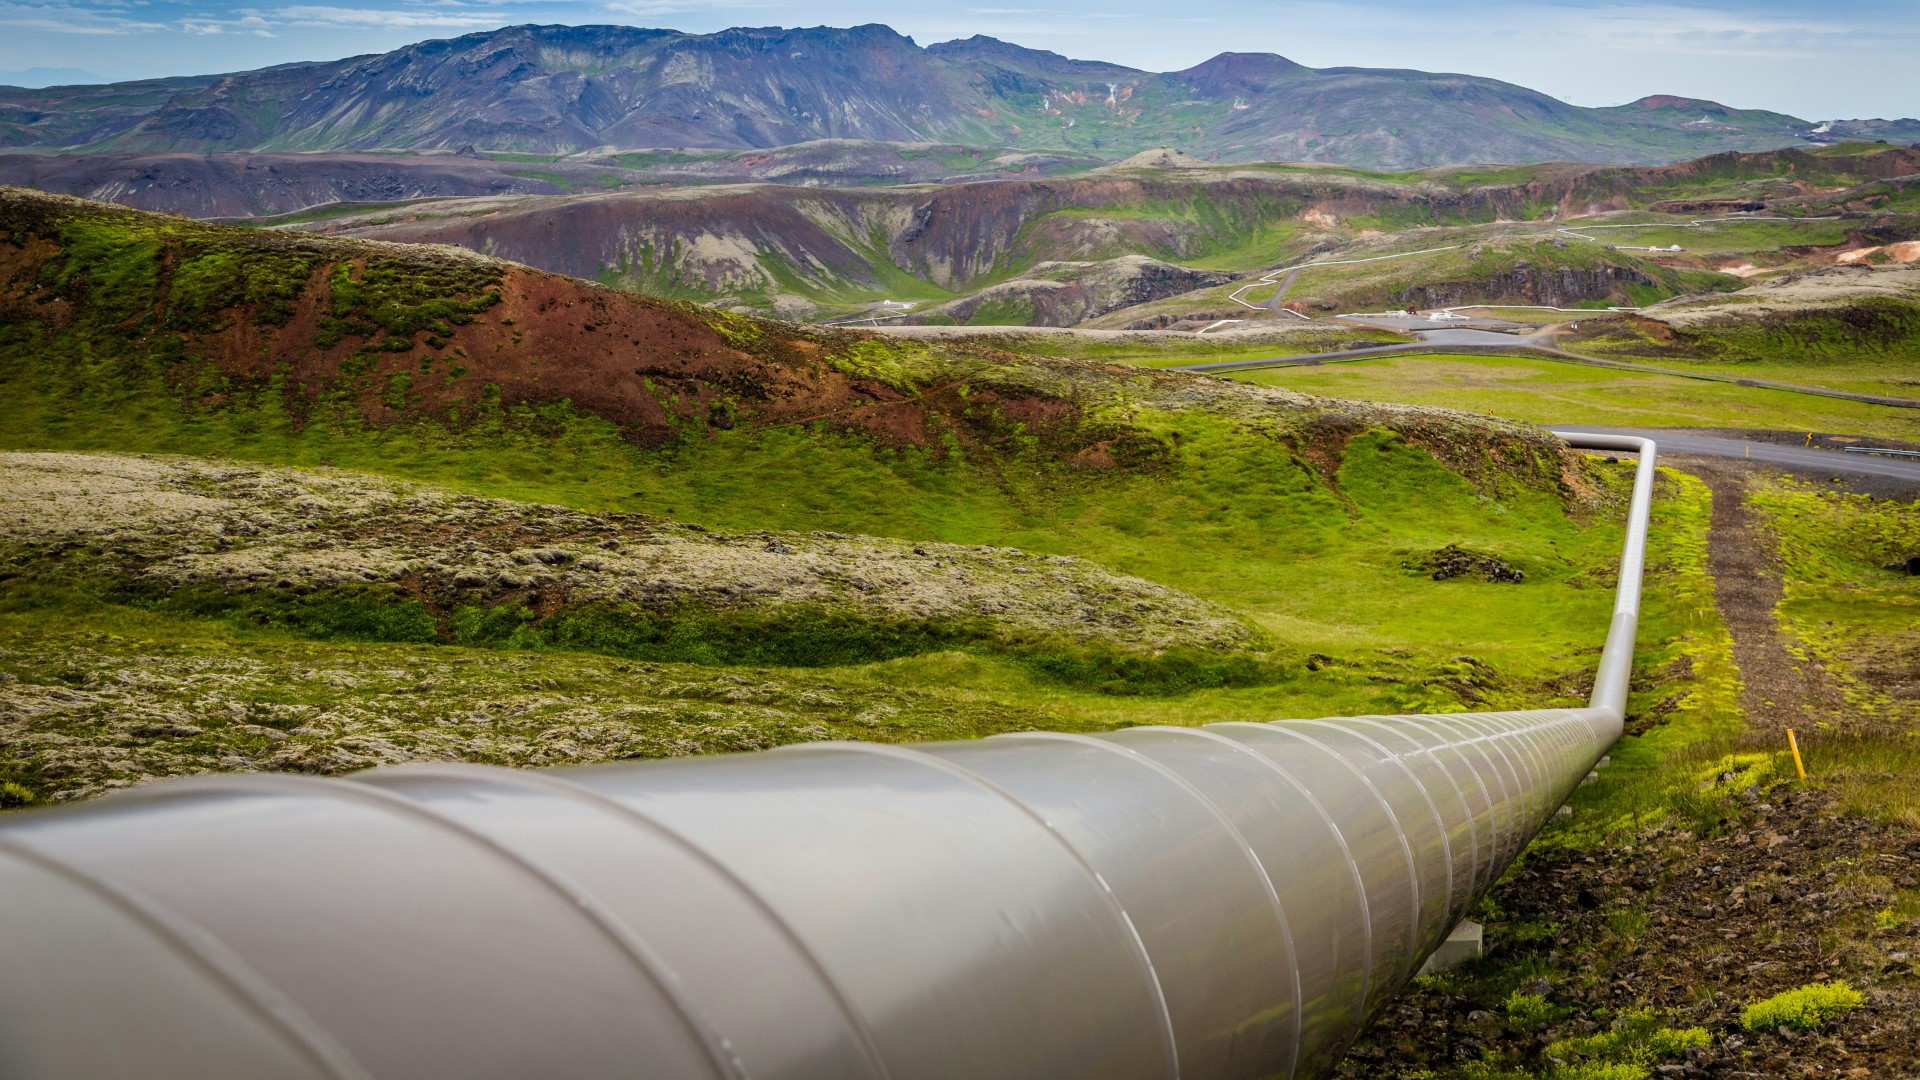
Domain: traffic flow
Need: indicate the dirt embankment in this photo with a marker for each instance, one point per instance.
(401, 333)
(1690, 930)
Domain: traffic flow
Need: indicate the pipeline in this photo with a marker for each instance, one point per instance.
(1225, 901)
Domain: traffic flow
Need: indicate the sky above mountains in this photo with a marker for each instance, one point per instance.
(1840, 58)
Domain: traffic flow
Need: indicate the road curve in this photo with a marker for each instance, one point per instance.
(1796, 458)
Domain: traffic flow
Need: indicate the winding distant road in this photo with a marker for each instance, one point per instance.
(1806, 459)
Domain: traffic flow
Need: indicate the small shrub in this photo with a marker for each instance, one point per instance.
(1640, 1037)
(1600, 1070)
(14, 795)
(1455, 561)
(1735, 773)
(1529, 1010)
(1803, 1009)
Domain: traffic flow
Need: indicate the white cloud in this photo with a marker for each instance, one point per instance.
(72, 19)
(319, 16)
(248, 23)
(650, 8)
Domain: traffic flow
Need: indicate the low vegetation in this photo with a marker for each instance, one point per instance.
(1802, 1010)
(1543, 391)
(1850, 328)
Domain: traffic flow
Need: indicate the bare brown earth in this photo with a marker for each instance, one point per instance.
(954, 235)
(1728, 920)
(1777, 690)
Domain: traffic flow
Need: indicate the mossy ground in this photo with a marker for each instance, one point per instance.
(1847, 611)
(1872, 347)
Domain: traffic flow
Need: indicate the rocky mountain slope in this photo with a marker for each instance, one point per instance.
(566, 89)
(245, 185)
(305, 331)
(814, 252)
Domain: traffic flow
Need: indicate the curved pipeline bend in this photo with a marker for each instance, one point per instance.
(1226, 901)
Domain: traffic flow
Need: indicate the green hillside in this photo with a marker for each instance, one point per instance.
(1298, 526)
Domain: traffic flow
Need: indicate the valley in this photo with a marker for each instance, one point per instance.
(1165, 242)
(600, 406)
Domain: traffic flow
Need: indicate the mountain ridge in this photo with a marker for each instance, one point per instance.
(558, 90)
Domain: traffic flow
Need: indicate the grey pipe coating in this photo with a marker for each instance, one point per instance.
(1224, 901)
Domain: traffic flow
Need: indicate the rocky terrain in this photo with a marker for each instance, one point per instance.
(249, 185)
(1839, 287)
(1849, 312)
(1070, 293)
(276, 535)
(1668, 930)
(566, 89)
(819, 253)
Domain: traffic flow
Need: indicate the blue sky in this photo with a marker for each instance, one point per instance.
(1819, 60)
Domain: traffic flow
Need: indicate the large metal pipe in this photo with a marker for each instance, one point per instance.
(1226, 901)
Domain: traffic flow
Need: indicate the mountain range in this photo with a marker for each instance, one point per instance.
(565, 90)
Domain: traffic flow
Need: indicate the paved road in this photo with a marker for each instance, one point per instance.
(1477, 339)
(1795, 458)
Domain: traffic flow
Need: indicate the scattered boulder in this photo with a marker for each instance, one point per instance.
(1455, 561)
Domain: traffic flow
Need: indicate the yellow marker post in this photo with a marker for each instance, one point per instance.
(1749, 449)
(1809, 438)
(1795, 744)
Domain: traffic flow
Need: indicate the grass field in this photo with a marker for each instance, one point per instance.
(1549, 392)
(1174, 350)
(1724, 237)
(1233, 519)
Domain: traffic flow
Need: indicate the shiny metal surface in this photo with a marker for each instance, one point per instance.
(1226, 901)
